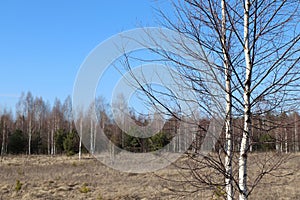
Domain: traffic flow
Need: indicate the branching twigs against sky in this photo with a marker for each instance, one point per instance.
(260, 43)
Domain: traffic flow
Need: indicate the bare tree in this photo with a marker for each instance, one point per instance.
(119, 118)
(255, 48)
(251, 32)
(228, 119)
(67, 111)
(101, 109)
(40, 115)
(6, 121)
(79, 124)
(91, 116)
(56, 121)
(25, 111)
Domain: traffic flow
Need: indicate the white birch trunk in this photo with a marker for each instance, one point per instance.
(52, 141)
(91, 137)
(281, 146)
(228, 122)
(48, 139)
(250, 141)
(52, 137)
(285, 140)
(54, 148)
(244, 148)
(179, 141)
(213, 138)
(94, 138)
(3, 140)
(56, 128)
(3, 143)
(80, 139)
(185, 140)
(29, 137)
(296, 142)
(277, 141)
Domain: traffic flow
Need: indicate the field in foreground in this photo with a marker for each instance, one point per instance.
(61, 177)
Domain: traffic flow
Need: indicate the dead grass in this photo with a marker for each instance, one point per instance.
(62, 177)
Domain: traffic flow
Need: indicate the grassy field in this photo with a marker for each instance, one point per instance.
(61, 177)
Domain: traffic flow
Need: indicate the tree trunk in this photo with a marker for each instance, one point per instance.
(228, 120)
(281, 146)
(296, 142)
(48, 139)
(29, 137)
(277, 141)
(52, 141)
(285, 140)
(94, 138)
(179, 142)
(3, 140)
(244, 148)
(80, 138)
(91, 137)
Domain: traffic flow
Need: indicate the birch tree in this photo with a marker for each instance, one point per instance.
(255, 50)
(80, 136)
(6, 121)
(56, 121)
(102, 117)
(264, 20)
(247, 108)
(91, 116)
(40, 114)
(67, 112)
(28, 105)
(79, 118)
(228, 119)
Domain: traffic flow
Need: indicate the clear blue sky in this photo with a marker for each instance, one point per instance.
(43, 43)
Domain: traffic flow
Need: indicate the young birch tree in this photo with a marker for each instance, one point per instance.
(29, 111)
(79, 123)
(254, 44)
(6, 125)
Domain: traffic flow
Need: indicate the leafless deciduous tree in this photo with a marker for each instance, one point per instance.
(6, 124)
(79, 124)
(254, 52)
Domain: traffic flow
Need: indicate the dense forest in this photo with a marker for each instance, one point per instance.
(36, 127)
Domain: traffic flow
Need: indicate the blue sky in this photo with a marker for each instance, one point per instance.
(43, 43)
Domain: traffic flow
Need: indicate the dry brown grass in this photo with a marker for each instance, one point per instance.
(62, 177)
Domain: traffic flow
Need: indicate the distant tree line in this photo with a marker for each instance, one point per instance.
(36, 127)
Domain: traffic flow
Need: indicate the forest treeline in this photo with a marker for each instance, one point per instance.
(37, 127)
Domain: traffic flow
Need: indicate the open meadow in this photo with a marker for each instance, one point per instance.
(62, 177)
